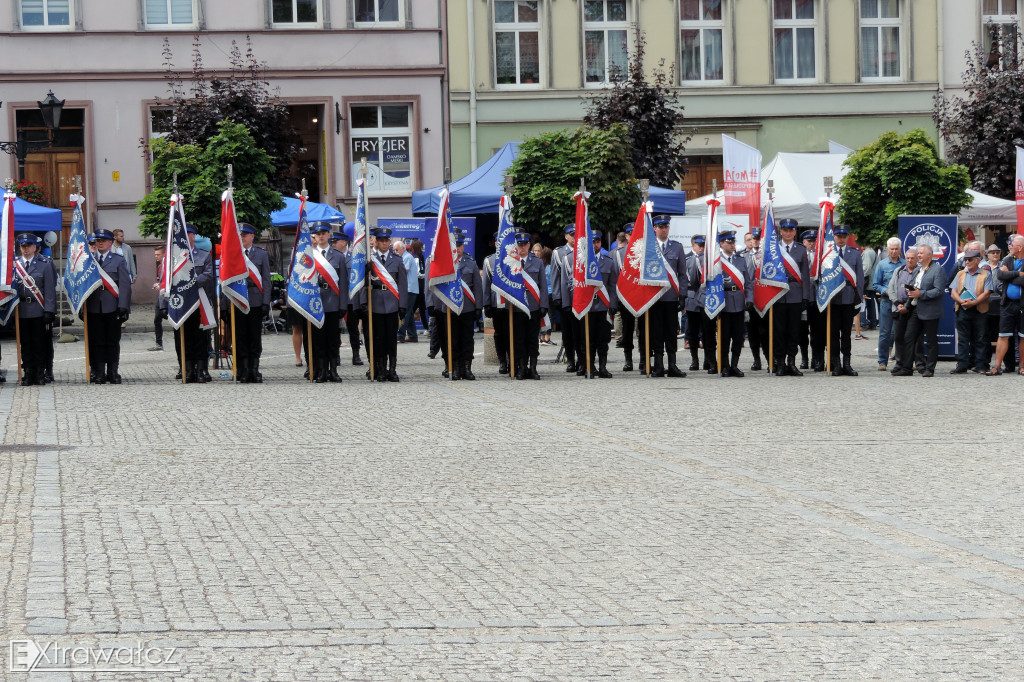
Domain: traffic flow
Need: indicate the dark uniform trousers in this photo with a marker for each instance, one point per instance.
(33, 343)
(631, 325)
(248, 334)
(352, 321)
(463, 328)
(385, 340)
(600, 335)
(732, 337)
(699, 327)
(104, 341)
(525, 335)
(916, 332)
(757, 333)
(501, 340)
(817, 322)
(571, 333)
(325, 341)
(842, 323)
(664, 327)
(196, 341)
(787, 325)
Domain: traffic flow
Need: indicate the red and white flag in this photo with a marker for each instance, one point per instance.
(742, 168)
(635, 288)
(7, 256)
(586, 275)
(233, 268)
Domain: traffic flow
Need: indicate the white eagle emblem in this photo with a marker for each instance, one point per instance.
(636, 254)
(182, 268)
(512, 260)
(77, 257)
(304, 267)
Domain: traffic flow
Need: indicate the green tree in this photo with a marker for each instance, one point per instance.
(650, 111)
(547, 174)
(897, 175)
(982, 127)
(202, 177)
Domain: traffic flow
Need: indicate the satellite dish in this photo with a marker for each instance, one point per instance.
(50, 238)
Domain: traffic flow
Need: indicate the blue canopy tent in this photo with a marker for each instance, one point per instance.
(289, 215)
(29, 217)
(479, 191)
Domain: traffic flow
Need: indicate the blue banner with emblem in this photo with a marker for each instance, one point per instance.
(507, 281)
(831, 278)
(81, 272)
(939, 232)
(178, 281)
(360, 248)
(303, 283)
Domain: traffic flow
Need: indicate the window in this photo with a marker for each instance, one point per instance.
(161, 121)
(516, 42)
(879, 39)
(39, 14)
(294, 12)
(701, 31)
(170, 13)
(605, 35)
(378, 11)
(794, 40)
(383, 134)
(999, 32)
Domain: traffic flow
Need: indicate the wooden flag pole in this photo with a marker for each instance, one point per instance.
(647, 340)
(586, 334)
(718, 336)
(511, 347)
(234, 347)
(369, 280)
(309, 350)
(85, 334)
(448, 323)
(181, 333)
(828, 337)
(17, 340)
(771, 340)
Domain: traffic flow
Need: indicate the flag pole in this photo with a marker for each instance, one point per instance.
(718, 320)
(181, 336)
(367, 270)
(718, 337)
(828, 308)
(771, 311)
(645, 189)
(511, 345)
(85, 335)
(586, 315)
(309, 350)
(181, 329)
(17, 340)
(448, 310)
(234, 346)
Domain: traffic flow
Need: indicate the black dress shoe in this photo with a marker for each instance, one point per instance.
(849, 371)
(581, 371)
(727, 371)
(958, 370)
(928, 373)
(903, 373)
(736, 372)
(793, 371)
(444, 373)
(571, 367)
(603, 373)
(694, 366)
(628, 367)
(357, 361)
(837, 372)
(712, 369)
(113, 378)
(756, 365)
(675, 372)
(432, 354)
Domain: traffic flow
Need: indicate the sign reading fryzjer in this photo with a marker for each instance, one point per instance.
(939, 232)
(424, 229)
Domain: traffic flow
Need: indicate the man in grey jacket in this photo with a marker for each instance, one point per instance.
(925, 293)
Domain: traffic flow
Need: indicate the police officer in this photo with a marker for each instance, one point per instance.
(815, 319)
(562, 261)
(249, 326)
(354, 316)
(739, 290)
(108, 312)
(757, 326)
(324, 363)
(339, 242)
(496, 308)
(699, 327)
(526, 328)
(197, 341)
(387, 306)
(791, 305)
(36, 289)
(629, 322)
(605, 303)
(843, 304)
(664, 314)
(464, 324)
(440, 318)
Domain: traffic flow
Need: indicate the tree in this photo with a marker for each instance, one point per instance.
(896, 176)
(243, 97)
(547, 174)
(650, 111)
(982, 128)
(202, 178)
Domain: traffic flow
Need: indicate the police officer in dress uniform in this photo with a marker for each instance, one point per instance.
(814, 322)
(107, 313)
(339, 242)
(842, 305)
(497, 310)
(354, 316)
(562, 261)
(326, 339)
(464, 324)
(249, 326)
(757, 326)
(737, 295)
(629, 322)
(47, 348)
(790, 307)
(699, 327)
(526, 329)
(664, 314)
(597, 318)
(33, 316)
(386, 306)
(197, 341)
(439, 320)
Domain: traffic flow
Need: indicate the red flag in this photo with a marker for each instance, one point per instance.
(442, 258)
(637, 297)
(232, 259)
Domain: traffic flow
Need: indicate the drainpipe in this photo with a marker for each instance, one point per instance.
(942, 70)
(472, 84)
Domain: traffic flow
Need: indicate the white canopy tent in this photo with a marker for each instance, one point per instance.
(798, 189)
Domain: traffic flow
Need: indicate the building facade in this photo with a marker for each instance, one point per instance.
(781, 75)
(360, 78)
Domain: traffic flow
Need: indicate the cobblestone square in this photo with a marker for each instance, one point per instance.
(701, 528)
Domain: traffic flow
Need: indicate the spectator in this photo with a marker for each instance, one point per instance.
(545, 323)
(880, 285)
(897, 294)
(1011, 273)
(925, 293)
(407, 327)
(994, 254)
(970, 290)
(126, 251)
(158, 318)
(869, 313)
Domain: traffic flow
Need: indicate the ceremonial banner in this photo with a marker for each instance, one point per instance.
(507, 278)
(303, 288)
(830, 272)
(586, 275)
(771, 282)
(178, 282)
(741, 164)
(234, 268)
(81, 272)
(644, 277)
(360, 248)
(1019, 190)
(714, 285)
(445, 279)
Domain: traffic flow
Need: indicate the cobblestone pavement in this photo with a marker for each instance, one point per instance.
(755, 529)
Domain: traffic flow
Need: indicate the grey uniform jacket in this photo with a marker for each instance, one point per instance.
(203, 264)
(675, 258)
(610, 277)
(798, 293)
(101, 300)
(933, 287)
(261, 260)
(383, 300)
(695, 287)
(45, 275)
(848, 295)
(561, 276)
(490, 298)
(471, 277)
(334, 302)
(535, 267)
(736, 301)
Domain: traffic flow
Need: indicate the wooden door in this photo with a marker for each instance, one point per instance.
(56, 170)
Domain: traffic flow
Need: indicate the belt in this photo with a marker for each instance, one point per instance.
(379, 287)
(27, 299)
(252, 285)
(731, 288)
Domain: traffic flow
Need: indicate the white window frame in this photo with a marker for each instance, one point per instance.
(702, 25)
(46, 26)
(297, 24)
(879, 23)
(380, 132)
(376, 13)
(793, 25)
(171, 26)
(988, 21)
(605, 27)
(517, 28)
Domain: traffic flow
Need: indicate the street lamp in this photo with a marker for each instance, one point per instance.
(51, 109)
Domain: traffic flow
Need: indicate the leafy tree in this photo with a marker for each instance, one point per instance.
(202, 177)
(547, 174)
(897, 175)
(650, 111)
(243, 97)
(982, 128)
